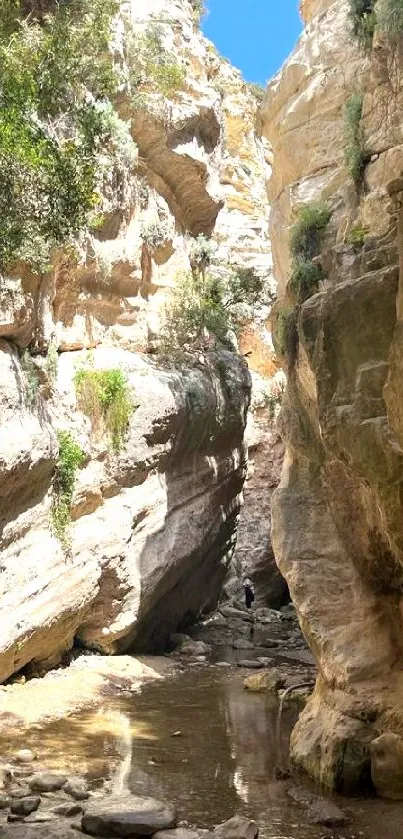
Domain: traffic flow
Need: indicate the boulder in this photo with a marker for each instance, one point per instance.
(25, 756)
(268, 681)
(325, 812)
(387, 765)
(25, 806)
(68, 809)
(194, 648)
(239, 827)
(242, 644)
(250, 664)
(47, 781)
(128, 816)
(77, 788)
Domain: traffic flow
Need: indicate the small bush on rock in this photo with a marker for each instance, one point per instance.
(154, 234)
(306, 239)
(286, 334)
(70, 459)
(206, 309)
(201, 252)
(363, 18)
(389, 16)
(31, 379)
(105, 397)
(356, 153)
(308, 230)
(357, 237)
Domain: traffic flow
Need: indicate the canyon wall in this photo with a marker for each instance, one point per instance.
(153, 524)
(338, 513)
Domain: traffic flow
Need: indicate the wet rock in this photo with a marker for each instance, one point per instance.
(47, 781)
(265, 661)
(223, 664)
(128, 816)
(194, 648)
(19, 792)
(325, 812)
(25, 756)
(68, 809)
(250, 664)
(238, 827)
(178, 638)
(242, 644)
(232, 612)
(77, 788)
(40, 818)
(12, 817)
(269, 680)
(282, 774)
(4, 801)
(301, 796)
(182, 833)
(387, 765)
(25, 806)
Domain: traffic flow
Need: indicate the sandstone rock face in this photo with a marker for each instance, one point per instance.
(153, 527)
(337, 518)
(253, 555)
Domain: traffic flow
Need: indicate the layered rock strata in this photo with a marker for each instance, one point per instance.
(337, 531)
(154, 525)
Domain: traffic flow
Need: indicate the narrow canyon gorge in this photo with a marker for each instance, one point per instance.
(201, 359)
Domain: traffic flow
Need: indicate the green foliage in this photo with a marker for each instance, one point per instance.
(305, 278)
(152, 67)
(104, 395)
(198, 9)
(307, 232)
(31, 379)
(355, 151)
(286, 335)
(201, 252)
(205, 310)
(389, 17)
(70, 459)
(55, 71)
(306, 239)
(363, 18)
(273, 396)
(257, 90)
(154, 234)
(52, 361)
(357, 236)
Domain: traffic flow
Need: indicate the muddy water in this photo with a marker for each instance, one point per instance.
(201, 741)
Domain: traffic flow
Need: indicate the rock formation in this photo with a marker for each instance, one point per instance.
(153, 524)
(338, 523)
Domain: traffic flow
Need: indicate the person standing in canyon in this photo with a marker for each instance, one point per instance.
(249, 592)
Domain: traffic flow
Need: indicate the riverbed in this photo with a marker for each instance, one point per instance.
(200, 740)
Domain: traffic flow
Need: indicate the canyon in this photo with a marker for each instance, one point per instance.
(276, 455)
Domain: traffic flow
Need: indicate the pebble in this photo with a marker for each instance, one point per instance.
(25, 756)
(77, 788)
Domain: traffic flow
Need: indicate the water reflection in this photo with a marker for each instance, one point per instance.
(202, 742)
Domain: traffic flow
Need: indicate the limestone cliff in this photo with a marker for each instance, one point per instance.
(153, 524)
(338, 532)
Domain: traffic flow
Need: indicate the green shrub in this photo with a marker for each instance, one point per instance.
(31, 378)
(286, 334)
(307, 232)
(363, 18)
(52, 67)
(305, 278)
(152, 67)
(154, 234)
(357, 236)
(104, 395)
(257, 90)
(389, 17)
(70, 459)
(198, 9)
(355, 151)
(206, 309)
(201, 252)
(52, 361)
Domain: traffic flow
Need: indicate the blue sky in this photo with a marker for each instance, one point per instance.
(256, 35)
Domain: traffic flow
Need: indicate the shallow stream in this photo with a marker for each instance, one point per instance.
(200, 740)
